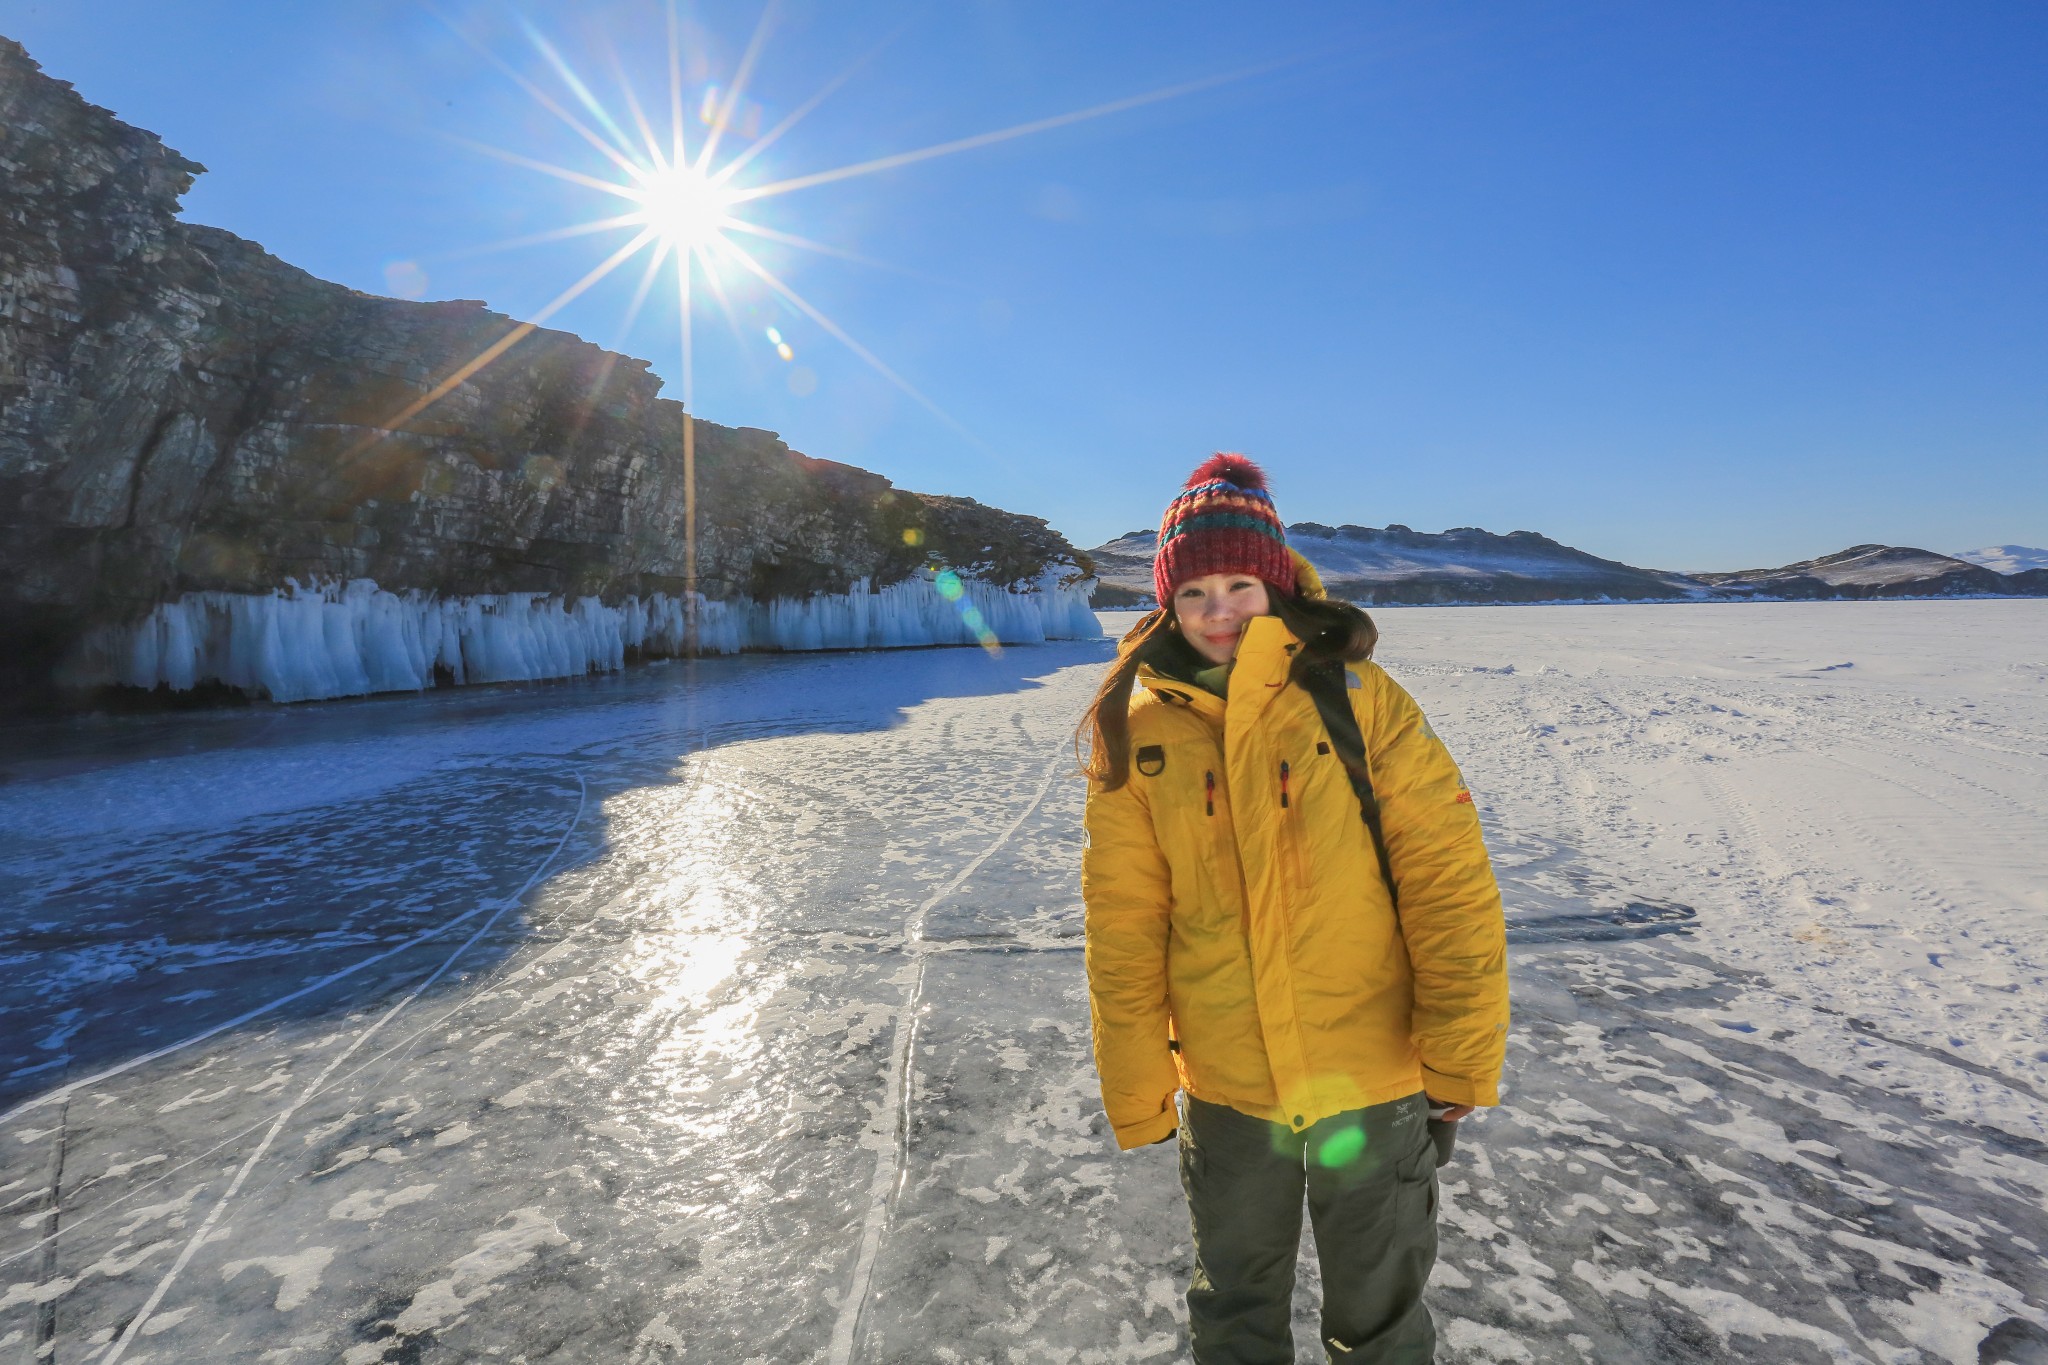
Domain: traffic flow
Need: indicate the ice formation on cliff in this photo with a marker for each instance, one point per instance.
(342, 641)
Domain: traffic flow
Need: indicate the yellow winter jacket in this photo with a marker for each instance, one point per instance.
(1241, 942)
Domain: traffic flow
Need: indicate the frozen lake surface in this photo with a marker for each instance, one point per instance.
(734, 1011)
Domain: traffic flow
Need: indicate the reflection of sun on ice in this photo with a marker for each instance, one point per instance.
(695, 967)
(683, 207)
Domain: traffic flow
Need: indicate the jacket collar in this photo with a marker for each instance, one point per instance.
(1264, 655)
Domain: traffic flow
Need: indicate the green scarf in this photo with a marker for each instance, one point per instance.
(1215, 678)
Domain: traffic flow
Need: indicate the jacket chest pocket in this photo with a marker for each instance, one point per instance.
(1191, 821)
(1292, 848)
(1321, 827)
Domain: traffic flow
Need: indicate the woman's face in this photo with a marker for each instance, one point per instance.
(1213, 610)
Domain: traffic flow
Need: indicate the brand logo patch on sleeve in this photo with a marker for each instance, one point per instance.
(1465, 798)
(1151, 760)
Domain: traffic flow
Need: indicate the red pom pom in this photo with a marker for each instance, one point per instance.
(1232, 469)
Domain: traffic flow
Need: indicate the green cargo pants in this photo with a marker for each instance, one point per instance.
(1370, 1178)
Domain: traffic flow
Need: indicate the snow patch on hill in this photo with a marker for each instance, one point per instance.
(1396, 564)
(1879, 564)
(2005, 558)
(1466, 551)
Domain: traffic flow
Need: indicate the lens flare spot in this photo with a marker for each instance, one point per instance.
(952, 589)
(803, 381)
(1342, 1148)
(405, 280)
(743, 117)
(912, 536)
(782, 349)
(542, 471)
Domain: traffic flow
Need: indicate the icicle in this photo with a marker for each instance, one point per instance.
(299, 644)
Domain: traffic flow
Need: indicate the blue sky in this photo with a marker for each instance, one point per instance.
(1691, 285)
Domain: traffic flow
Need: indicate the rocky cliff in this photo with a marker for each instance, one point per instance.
(184, 417)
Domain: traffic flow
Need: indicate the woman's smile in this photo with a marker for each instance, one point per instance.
(1212, 612)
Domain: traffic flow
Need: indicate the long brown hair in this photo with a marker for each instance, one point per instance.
(1327, 630)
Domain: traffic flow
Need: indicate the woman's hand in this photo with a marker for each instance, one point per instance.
(1447, 1113)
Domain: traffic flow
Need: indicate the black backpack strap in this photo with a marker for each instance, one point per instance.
(1328, 686)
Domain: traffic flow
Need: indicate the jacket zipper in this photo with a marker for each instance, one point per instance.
(1209, 791)
(1290, 833)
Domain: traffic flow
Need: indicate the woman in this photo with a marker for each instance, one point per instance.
(1292, 925)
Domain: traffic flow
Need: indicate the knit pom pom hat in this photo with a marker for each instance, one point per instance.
(1222, 522)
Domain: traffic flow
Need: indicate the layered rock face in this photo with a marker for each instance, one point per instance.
(181, 413)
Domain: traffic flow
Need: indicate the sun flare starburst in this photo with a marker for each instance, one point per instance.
(682, 208)
(684, 204)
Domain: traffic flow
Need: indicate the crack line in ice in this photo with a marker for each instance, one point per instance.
(64, 1092)
(73, 1223)
(893, 1123)
(277, 1126)
(395, 1053)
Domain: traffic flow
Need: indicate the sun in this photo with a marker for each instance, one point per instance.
(684, 208)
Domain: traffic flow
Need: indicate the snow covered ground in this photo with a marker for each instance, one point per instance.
(733, 1011)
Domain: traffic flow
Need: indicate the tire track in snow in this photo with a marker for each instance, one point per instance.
(1920, 763)
(1916, 875)
(892, 1126)
(1870, 723)
(1767, 863)
(204, 1231)
(1569, 819)
(1799, 884)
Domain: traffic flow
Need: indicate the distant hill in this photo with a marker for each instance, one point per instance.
(2006, 558)
(1366, 564)
(1123, 570)
(1468, 565)
(1873, 571)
